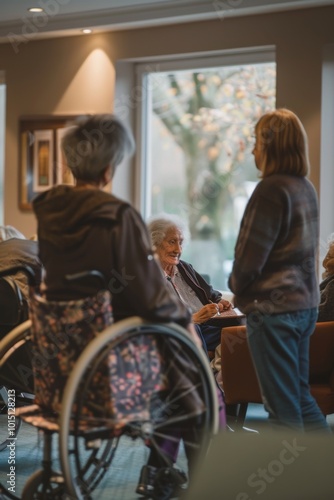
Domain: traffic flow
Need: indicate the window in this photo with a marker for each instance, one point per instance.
(199, 121)
(326, 201)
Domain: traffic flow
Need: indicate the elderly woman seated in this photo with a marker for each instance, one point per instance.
(167, 235)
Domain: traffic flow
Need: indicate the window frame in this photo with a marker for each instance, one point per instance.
(253, 55)
(3, 96)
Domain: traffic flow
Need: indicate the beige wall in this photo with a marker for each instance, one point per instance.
(77, 75)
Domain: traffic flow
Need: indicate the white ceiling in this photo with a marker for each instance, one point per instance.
(68, 17)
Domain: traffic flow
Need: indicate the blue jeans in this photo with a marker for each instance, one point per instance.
(279, 345)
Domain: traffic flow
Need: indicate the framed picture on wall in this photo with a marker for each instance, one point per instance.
(41, 163)
(43, 160)
(64, 174)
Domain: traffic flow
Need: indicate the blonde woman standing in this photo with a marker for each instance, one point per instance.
(274, 272)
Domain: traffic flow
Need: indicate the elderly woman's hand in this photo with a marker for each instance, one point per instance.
(224, 305)
(205, 313)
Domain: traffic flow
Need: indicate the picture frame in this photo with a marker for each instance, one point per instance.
(43, 159)
(64, 174)
(41, 163)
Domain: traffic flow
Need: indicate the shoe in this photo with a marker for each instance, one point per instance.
(146, 481)
(169, 482)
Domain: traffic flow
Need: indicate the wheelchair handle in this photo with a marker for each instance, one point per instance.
(86, 274)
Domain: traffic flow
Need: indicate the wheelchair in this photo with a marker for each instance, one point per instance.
(16, 371)
(137, 387)
(15, 366)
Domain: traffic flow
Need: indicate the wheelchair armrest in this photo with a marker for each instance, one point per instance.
(27, 270)
(86, 275)
(12, 305)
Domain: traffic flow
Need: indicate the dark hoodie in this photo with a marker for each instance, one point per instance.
(82, 229)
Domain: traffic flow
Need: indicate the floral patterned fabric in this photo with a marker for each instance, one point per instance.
(61, 331)
(136, 377)
(122, 386)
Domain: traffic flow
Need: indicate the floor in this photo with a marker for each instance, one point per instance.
(27, 456)
(256, 417)
(119, 484)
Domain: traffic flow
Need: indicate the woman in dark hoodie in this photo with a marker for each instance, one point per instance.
(82, 228)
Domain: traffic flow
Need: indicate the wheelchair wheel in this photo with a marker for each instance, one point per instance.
(42, 486)
(15, 374)
(15, 364)
(159, 398)
(16, 388)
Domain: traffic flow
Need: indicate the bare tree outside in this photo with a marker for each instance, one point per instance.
(201, 164)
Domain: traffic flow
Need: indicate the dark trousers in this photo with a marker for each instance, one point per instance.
(210, 331)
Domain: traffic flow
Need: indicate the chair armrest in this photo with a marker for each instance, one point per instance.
(322, 352)
(331, 381)
(239, 378)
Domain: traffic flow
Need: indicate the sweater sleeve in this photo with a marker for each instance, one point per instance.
(204, 291)
(259, 230)
(211, 293)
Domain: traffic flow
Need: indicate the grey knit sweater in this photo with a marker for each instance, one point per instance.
(274, 269)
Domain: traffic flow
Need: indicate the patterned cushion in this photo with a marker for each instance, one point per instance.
(61, 331)
(123, 385)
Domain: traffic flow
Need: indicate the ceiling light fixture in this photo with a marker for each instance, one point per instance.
(87, 31)
(35, 9)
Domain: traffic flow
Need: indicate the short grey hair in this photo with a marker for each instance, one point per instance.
(158, 227)
(95, 142)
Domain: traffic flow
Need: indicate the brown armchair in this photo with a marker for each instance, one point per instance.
(322, 366)
(239, 378)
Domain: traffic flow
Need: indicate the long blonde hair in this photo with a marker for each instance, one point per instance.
(282, 140)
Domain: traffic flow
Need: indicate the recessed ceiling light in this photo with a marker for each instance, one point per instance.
(35, 9)
(87, 31)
